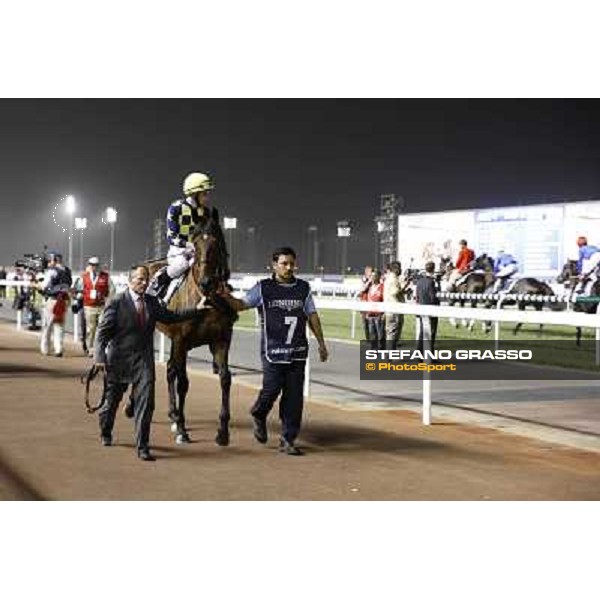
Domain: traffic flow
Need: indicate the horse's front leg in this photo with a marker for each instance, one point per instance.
(472, 321)
(179, 384)
(221, 360)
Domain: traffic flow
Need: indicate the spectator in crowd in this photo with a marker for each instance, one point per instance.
(2, 278)
(375, 318)
(394, 288)
(13, 276)
(362, 295)
(426, 293)
(55, 288)
(96, 287)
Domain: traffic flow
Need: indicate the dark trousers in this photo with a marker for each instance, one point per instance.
(287, 379)
(376, 332)
(142, 394)
(434, 324)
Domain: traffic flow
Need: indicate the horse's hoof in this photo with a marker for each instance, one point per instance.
(222, 438)
(182, 438)
(173, 427)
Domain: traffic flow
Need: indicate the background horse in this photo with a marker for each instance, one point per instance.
(476, 282)
(532, 287)
(214, 329)
(569, 277)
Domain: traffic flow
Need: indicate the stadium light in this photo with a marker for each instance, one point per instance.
(111, 219)
(81, 224)
(230, 224)
(70, 207)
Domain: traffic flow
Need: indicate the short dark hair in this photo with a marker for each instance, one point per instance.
(463, 242)
(283, 250)
(395, 267)
(430, 266)
(134, 268)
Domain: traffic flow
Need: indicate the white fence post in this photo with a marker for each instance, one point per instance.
(497, 325)
(306, 390)
(426, 325)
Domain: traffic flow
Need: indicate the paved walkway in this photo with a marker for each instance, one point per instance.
(49, 449)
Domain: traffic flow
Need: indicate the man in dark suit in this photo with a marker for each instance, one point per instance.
(125, 349)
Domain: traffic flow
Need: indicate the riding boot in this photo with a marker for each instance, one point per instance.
(159, 285)
(173, 284)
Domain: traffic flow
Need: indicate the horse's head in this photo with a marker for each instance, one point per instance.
(206, 243)
(484, 262)
(569, 271)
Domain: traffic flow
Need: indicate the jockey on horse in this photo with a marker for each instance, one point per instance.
(505, 266)
(183, 215)
(587, 266)
(464, 265)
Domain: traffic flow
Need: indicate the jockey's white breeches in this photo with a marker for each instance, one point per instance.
(179, 260)
(589, 265)
(507, 271)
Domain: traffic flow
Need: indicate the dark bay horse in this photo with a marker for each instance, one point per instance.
(214, 329)
(476, 282)
(529, 286)
(569, 277)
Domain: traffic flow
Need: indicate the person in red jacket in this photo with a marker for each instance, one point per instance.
(96, 287)
(375, 319)
(463, 263)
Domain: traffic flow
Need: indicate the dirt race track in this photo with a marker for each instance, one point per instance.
(49, 449)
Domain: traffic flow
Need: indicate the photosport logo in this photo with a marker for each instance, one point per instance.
(482, 360)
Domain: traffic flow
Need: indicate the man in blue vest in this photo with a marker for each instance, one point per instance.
(286, 306)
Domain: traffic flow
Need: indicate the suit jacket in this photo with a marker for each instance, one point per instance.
(126, 348)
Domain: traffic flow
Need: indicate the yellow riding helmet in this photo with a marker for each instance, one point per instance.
(197, 182)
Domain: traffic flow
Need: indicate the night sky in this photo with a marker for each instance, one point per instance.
(282, 165)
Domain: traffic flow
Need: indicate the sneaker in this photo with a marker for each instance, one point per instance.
(260, 430)
(144, 454)
(288, 448)
(58, 354)
(106, 440)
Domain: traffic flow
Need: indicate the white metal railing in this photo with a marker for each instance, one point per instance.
(497, 315)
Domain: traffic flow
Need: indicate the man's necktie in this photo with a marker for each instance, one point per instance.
(141, 312)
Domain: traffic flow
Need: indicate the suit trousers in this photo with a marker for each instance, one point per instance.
(142, 393)
(287, 379)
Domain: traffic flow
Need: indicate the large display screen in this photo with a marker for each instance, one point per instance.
(541, 237)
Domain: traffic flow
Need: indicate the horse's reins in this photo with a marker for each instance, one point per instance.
(86, 379)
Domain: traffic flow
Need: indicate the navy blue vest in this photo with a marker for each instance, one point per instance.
(283, 320)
